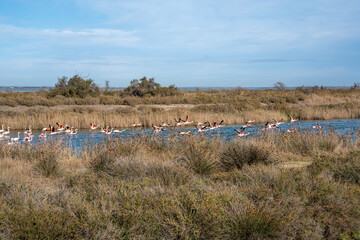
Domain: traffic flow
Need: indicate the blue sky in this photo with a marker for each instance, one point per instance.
(186, 42)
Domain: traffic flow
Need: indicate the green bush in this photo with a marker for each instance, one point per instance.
(75, 87)
(148, 87)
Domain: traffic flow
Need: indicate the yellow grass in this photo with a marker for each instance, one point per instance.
(234, 107)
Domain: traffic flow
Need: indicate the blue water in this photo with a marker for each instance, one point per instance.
(20, 89)
(85, 138)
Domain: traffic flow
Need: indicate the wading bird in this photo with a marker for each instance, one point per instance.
(317, 126)
(292, 119)
(93, 126)
(15, 139)
(47, 129)
(118, 131)
(43, 135)
(7, 132)
(2, 129)
(242, 132)
(185, 133)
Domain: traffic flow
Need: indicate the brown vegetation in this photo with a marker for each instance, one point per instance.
(116, 109)
(184, 188)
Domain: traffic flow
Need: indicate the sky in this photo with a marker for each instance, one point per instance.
(189, 43)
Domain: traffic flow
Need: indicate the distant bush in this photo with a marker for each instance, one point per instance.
(148, 87)
(356, 85)
(76, 86)
(280, 86)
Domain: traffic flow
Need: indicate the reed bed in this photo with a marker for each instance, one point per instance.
(19, 110)
(184, 188)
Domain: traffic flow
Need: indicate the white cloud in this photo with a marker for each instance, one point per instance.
(85, 37)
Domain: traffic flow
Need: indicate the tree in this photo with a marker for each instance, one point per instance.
(148, 87)
(76, 86)
(356, 85)
(280, 86)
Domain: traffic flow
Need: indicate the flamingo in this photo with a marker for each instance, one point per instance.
(157, 129)
(317, 126)
(271, 126)
(93, 126)
(7, 132)
(166, 124)
(28, 139)
(293, 129)
(47, 129)
(15, 139)
(292, 119)
(201, 128)
(248, 123)
(185, 133)
(43, 135)
(61, 127)
(28, 132)
(179, 122)
(53, 132)
(2, 128)
(119, 131)
(266, 126)
(278, 122)
(187, 120)
(135, 125)
(217, 125)
(241, 133)
(104, 130)
(73, 132)
(67, 129)
(109, 132)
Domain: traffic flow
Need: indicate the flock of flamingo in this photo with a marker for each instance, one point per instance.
(201, 127)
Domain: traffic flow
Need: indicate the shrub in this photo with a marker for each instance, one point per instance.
(47, 163)
(75, 87)
(104, 162)
(236, 155)
(251, 223)
(280, 86)
(148, 87)
(343, 168)
(199, 160)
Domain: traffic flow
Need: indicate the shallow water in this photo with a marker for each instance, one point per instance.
(86, 138)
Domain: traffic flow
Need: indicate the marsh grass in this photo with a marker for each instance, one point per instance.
(234, 106)
(149, 188)
(236, 154)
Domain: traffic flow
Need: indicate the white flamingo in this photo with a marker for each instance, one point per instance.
(241, 133)
(27, 132)
(73, 132)
(7, 132)
(43, 135)
(2, 128)
(47, 129)
(93, 126)
(109, 132)
(15, 139)
(28, 139)
(118, 131)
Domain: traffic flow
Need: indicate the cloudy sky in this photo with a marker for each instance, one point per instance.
(204, 43)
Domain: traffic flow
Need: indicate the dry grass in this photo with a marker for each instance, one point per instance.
(236, 106)
(148, 188)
